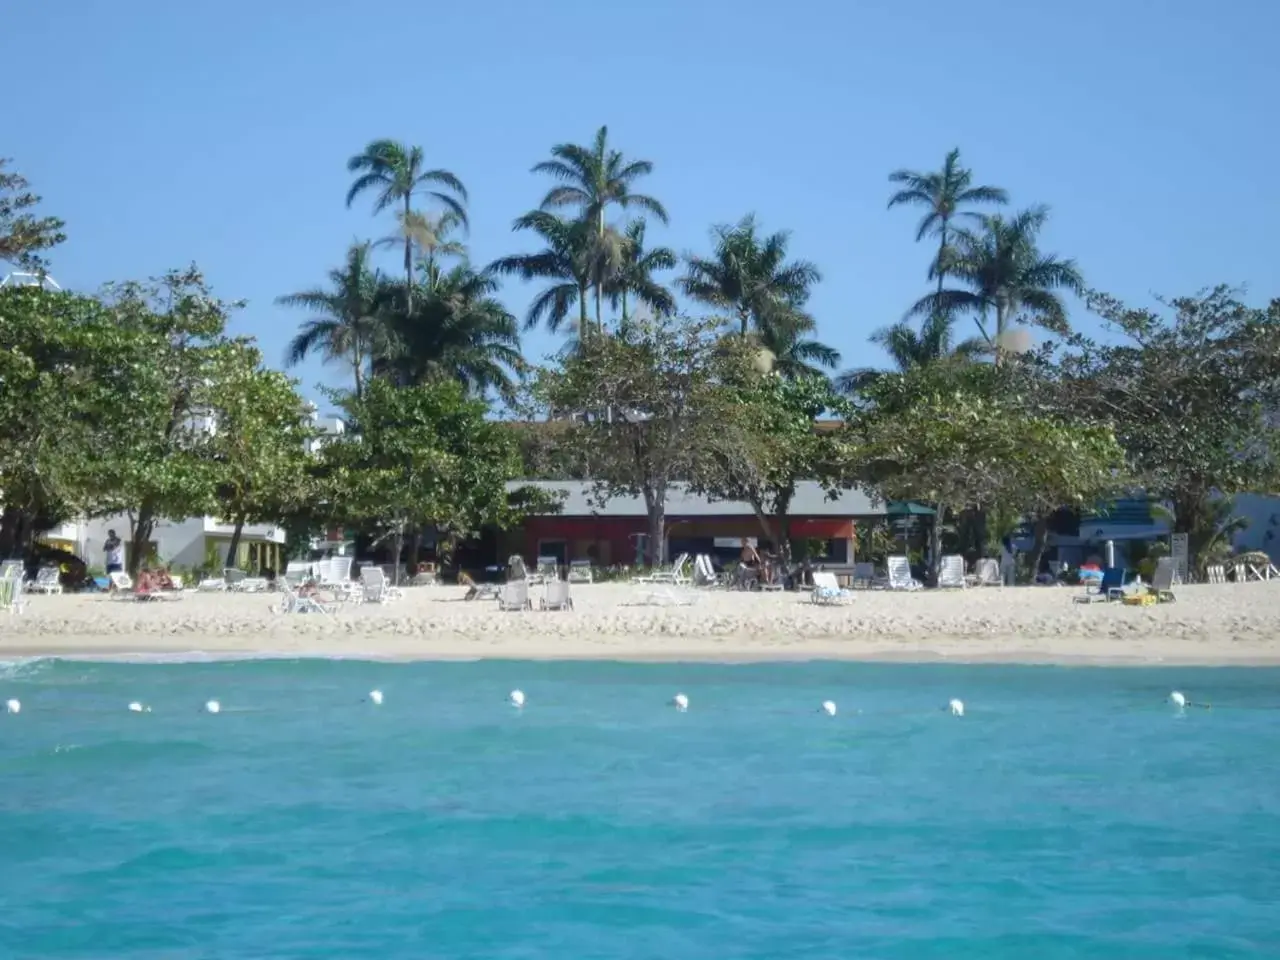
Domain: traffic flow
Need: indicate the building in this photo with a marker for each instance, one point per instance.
(616, 531)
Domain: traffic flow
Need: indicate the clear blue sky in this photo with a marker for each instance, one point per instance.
(218, 132)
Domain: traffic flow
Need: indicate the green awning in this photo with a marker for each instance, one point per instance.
(905, 508)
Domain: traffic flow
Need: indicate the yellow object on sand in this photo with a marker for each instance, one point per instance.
(1140, 600)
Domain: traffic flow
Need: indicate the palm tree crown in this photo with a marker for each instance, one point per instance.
(910, 349)
(565, 259)
(943, 195)
(749, 276)
(1007, 276)
(593, 178)
(634, 274)
(346, 326)
(454, 329)
(395, 172)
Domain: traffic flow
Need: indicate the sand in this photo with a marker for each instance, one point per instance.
(1210, 624)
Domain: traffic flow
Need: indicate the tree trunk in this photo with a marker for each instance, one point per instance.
(584, 330)
(1038, 547)
(935, 543)
(358, 369)
(415, 548)
(1001, 320)
(942, 249)
(408, 258)
(140, 538)
(9, 531)
(655, 502)
(233, 548)
(399, 549)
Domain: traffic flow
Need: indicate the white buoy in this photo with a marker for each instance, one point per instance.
(375, 696)
(213, 706)
(12, 706)
(829, 707)
(516, 698)
(680, 702)
(956, 707)
(1178, 699)
(137, 707)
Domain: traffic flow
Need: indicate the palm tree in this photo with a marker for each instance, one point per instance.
(1007, 276)
(566, 260)
(943, 195)
(346, 326)
(793, 354)
(909, 349)
(634, 275)
(430, 235)
(395, 172)
(454, 329)
(593, 178)
(749, 276)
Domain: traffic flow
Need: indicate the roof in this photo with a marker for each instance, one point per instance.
(810, 501)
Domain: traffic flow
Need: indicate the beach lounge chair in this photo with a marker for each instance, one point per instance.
(1109, 587)
(291, 601)
(334, 573)
(426, 576)
(514, 596)
(548, 569)
(298, 572)
(678, 574)
(1217, 573)
(47, 581)
(123, 588)
(1162, 580)
(557, 596)
(865, 576)
(826, 589)
(704, 573)
(580, 572)
(240, 582)
(986, 573)
(900, 574)
(375, 587)
(951, 572)
(11, 600)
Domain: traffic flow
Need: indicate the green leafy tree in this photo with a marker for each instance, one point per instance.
(1192, 393)
(1009, 280)
(592, 179)
(23, 234)
(258, 444)
(394, 172)
(767, 440)
(944, 195)
(62, 359)
(346, 326)
(156, 460)
(645, 393)
(957, 437)
(423, 455)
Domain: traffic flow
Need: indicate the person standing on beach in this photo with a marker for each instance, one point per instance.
(114, 551)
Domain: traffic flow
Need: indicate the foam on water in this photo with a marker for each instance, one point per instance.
(1071, 814)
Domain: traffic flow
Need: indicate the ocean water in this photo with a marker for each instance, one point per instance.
(1070, 813)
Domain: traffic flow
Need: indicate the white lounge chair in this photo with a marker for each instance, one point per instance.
(1162, 580)
(827, 590)
(900, 574)
(375, 587)
(678, 574)
(1216, 573)
(548, 568)
(291, 601)
(514, 596)
(704, 573)
(986, 573)
(299, 572)
(951, 572)
(11, 597)
(580, 572)
(46, 581)
(557, 596)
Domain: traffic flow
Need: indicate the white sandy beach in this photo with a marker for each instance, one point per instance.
(1212, 624)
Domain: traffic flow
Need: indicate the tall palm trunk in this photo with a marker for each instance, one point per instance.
(942, 251)
(408, 256)
(357, 368)
(584, 329)
(599, 272)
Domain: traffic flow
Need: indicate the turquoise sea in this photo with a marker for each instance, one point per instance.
(1069, 813)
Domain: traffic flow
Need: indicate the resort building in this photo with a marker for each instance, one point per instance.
(616, 531)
